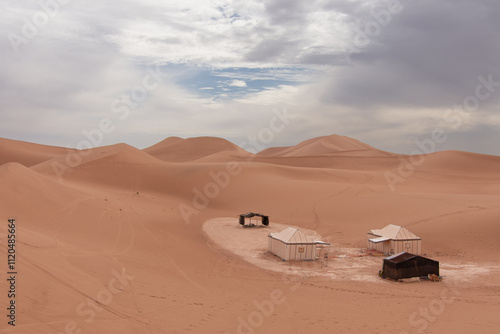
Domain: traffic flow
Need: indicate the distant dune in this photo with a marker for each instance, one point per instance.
(27, 154)
(111, 239)
(333, 145)
(175, 149)
(462, 162)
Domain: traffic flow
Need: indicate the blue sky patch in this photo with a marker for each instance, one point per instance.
(236, 82)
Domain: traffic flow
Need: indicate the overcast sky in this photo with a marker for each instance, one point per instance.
(388, 73)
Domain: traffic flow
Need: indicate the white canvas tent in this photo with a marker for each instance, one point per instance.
(292, 244)
(394, 239)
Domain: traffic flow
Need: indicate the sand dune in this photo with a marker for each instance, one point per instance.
(114, 154)
(459, 162)
(27, 154)
(120, 167)
(333, 145)
(175, 149)
(115, 244)
(22, 187)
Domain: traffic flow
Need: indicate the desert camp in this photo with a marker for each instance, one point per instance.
(250, 167)
(182, 258)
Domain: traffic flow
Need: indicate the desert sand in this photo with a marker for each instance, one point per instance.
(120, 240)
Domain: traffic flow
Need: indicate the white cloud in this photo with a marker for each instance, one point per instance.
(65, 78)
(238, 83)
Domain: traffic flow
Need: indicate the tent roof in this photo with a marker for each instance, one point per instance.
(400, 257)
(395, 232)
(379, 239)
(404, 256)
(252, 214)
(292, 235)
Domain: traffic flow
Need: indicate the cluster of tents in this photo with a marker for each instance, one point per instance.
(291, 244)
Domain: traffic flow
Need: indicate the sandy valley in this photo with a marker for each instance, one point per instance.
(120, 240)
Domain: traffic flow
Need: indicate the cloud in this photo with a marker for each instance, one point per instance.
(429, 55)
(227, 64)
(238, 83)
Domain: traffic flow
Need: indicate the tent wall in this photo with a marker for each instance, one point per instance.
(397, 246)
(292, 251)
(278, 248)
(265, 220)
(383, 247)
(410, 246)
(301, 252)
(414, 267)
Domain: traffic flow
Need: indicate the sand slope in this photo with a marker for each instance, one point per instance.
(333, 145)
(116, 243)
(27, 154)
(175, 149)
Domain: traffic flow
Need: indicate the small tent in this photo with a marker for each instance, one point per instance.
(292, 244)
(250, 215)
(406, 265)
(394, 239)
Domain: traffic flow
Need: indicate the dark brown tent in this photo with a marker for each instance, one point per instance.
(243, 217)
(406, 265)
